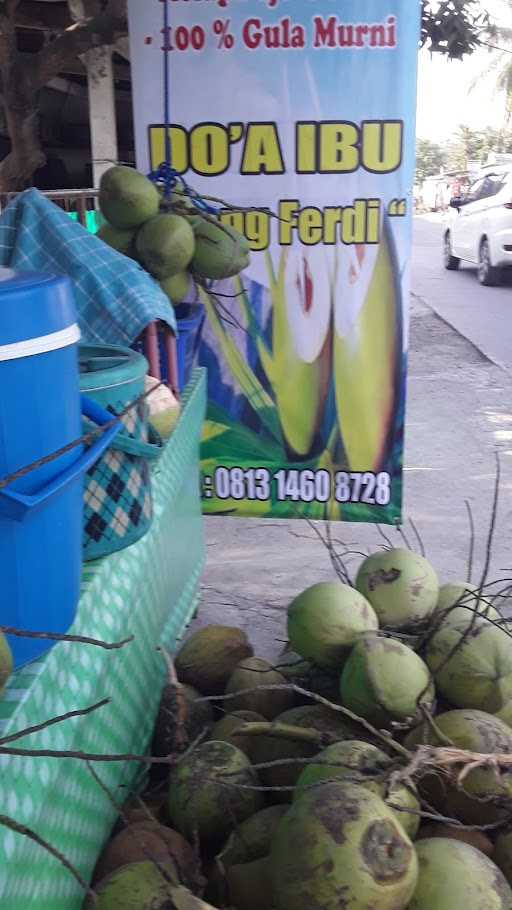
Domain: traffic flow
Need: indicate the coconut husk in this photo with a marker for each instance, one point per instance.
(244, 685)
(207, 659)
(475, 839)
(148, 841)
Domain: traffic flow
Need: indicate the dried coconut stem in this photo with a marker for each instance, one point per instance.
(288, 731)
(492, 525)
(418, 537)
(31, 835)
(471, 553)
(136, 838)
(182, 739)
(57, 636)
(339, 709)
(27, 731)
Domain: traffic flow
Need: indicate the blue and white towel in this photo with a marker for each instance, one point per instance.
(115, 298)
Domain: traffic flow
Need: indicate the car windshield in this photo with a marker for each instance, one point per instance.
(474, 191)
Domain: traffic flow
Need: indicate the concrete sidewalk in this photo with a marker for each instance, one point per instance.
(460, 411)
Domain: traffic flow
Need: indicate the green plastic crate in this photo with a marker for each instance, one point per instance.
(93, 220)
(148, 590)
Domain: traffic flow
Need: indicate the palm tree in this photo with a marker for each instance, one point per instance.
(499, 41)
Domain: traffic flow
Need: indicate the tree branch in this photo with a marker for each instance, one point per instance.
(13, 825)
(58, 636)
(53, 17)
(78, 712)
(103, 29)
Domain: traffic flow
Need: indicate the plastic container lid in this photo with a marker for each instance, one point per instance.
(104, 365)
(34, 305)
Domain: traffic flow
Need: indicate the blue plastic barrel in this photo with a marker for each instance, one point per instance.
(40, 413)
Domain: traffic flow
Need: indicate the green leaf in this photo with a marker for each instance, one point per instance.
(257, 397)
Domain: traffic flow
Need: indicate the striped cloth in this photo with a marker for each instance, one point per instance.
(115, 298)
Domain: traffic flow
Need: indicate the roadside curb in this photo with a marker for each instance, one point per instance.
(454, 328)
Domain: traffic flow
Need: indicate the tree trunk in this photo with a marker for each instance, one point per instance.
(19, 102)
(22, 120)
(22, 79)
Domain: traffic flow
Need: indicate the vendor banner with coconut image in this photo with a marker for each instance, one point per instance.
(301, 115)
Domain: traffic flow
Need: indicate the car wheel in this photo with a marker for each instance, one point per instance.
(488, 275)
(451, 262)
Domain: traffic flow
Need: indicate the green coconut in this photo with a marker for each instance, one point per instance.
(127, 199)
(147, 841)
(6, 662)
(249, 885)
(506, 714)
(462, 593)
(226, 730)
(251, 839)
(122, 241)
(476, 839)
(183, 205)
(273, 748)
(358, 762)
(248, 675)
(303, 673)
(384, 681)
(203, 796)
(137, 886)
(401, 586)
(472, 667)
(340, 846)
(292, 666)
(176, 287)
(165, 245)
(221, 251)
(197, 717)
(502, 854)
(325, 621)
(455, 876)
(207, 659)
(477, 800)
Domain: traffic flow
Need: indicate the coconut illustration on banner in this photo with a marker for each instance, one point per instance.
(299, 369)
(365, 350)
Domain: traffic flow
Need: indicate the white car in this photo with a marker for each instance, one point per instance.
(479, 229)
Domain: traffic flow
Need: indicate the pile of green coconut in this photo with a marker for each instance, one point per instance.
(176, 242)
(368, 768)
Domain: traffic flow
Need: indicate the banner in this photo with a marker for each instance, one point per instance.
(301, 113)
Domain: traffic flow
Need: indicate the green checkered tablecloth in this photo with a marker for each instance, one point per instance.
(149, 591)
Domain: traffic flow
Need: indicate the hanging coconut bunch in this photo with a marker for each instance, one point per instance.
(367, 766)
(177, 242)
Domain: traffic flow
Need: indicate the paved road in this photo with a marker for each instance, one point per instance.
(482, 315)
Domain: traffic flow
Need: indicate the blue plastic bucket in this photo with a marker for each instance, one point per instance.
(40, 413)
(190, 318)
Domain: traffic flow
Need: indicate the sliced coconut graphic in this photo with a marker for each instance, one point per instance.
(366, 346)
(354, 268)
(308, 300)
(299, 366)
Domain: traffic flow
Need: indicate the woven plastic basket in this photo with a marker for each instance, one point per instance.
(118, 505)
